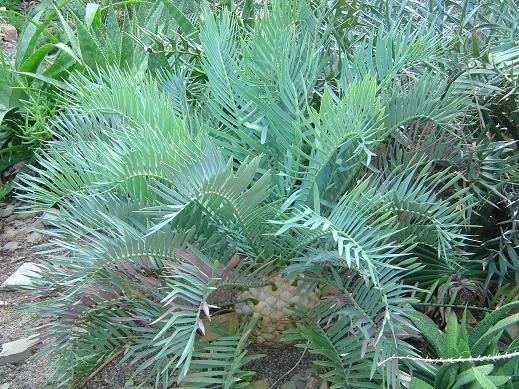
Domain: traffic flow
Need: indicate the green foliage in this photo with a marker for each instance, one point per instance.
(485, 367)
(13, 14)
(222, 361)
(345, 363)
(358, 326)
(201, 147)
(31, 83)
(5, 189)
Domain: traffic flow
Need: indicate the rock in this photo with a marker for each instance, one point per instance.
(260, 384)
(11, 246)
(306, 374)
(37, 225)
(21, 231)
(306, 379)
(35, 237)
(7, 211)
(313, 383)
(296, 382)
(5, 386)
(9, 32)
(300, 384)
(9, 233)
(11, 218)
(18, 223)
(25, 215)
(22, 277)
(18, 350)
(324, 385)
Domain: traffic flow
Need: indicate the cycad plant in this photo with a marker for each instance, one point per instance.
(271, 160)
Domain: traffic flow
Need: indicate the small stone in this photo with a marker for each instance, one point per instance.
(37, 225)
(35, 237)
(25, 215)
(324, 385)
(17, 351)
(11, 246)
(9, 233)
(271, 301)
(3, 303)
(244, 309)
(303, 380)
(21, 231)
(280, 304)
(295, 382)
(9, 32)
(5, 386)
(22, 276)
(7, 211)
(313, 383)
(307, 374)
(18, 223)
(260, 384)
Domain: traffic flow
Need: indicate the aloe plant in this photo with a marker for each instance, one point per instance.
(477, 349)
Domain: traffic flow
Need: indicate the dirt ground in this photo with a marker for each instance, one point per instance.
(15, 324)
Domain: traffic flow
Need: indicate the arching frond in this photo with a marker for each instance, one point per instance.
(136, 98)
(414, 195)
(229, 198)
(343, 360)
(341, 135)
(429, 98)
(222, 362)
(360, 242)
(359, 325)
(112, 155)
(385, 53)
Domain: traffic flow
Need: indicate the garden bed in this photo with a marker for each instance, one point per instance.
(338, 175)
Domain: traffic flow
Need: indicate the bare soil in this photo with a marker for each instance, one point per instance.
(14, 323)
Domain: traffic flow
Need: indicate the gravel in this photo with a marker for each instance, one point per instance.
(278, 362)
(16, 324)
